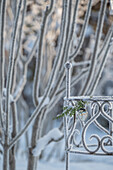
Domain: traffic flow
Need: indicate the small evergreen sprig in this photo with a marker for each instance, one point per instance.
(71, 110)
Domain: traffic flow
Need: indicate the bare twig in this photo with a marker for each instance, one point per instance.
(60, 47)
(68, 26)
(39, 58)
(12, 158)
(82, 35)
(15, 119)
(18, 48)
(82, 63)
(33, 116)
(8, 88)
(75, 80)
(105, 42)
(2, 42)
(61, 77)
(2, 52)
(11, 65)
(23, 80)
(95, 52)
(101, 67)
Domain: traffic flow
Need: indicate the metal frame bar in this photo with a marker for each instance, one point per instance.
(100, 105)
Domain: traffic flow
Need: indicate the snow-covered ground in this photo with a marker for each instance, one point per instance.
(82, 162)
(79, 162)
(76, 166)
(103, 164)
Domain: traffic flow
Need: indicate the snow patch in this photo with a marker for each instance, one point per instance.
(54, 134)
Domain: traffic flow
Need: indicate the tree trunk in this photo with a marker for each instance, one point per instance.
(6, 158)
(32, 160)
(12, 160)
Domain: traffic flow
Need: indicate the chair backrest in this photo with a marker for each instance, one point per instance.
(87, 113)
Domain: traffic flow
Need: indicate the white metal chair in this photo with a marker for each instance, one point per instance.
(98, 106)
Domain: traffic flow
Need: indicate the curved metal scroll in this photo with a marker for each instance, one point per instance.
(99, 108)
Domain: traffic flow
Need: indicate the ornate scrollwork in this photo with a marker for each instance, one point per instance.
(103, 144)
(89, 122)
(98, 107)
(109, 110)
(98, 124)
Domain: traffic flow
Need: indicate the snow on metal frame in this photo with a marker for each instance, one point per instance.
(98, 106)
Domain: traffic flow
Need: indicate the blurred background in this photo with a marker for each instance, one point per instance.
(33, 19)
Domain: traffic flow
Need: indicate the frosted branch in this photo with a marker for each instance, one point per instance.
(33, 116)
(2, 52)
(23, 80)
(101, 66)
(81, 63)
(75, 80)
(59, 93)
(2, 42)
(39, 59)
(82, 35)
(105, 42)
(18, 48)
(14, 118)
(96, 47)
(10, 70)
(67, 32)
(53, 135)
(61, 76)
(20, 87)
(58, 57)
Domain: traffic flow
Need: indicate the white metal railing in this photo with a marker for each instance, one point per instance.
(95, 107)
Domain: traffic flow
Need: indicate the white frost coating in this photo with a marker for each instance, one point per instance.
(47, 100)
(54, 134)
(4, 95)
